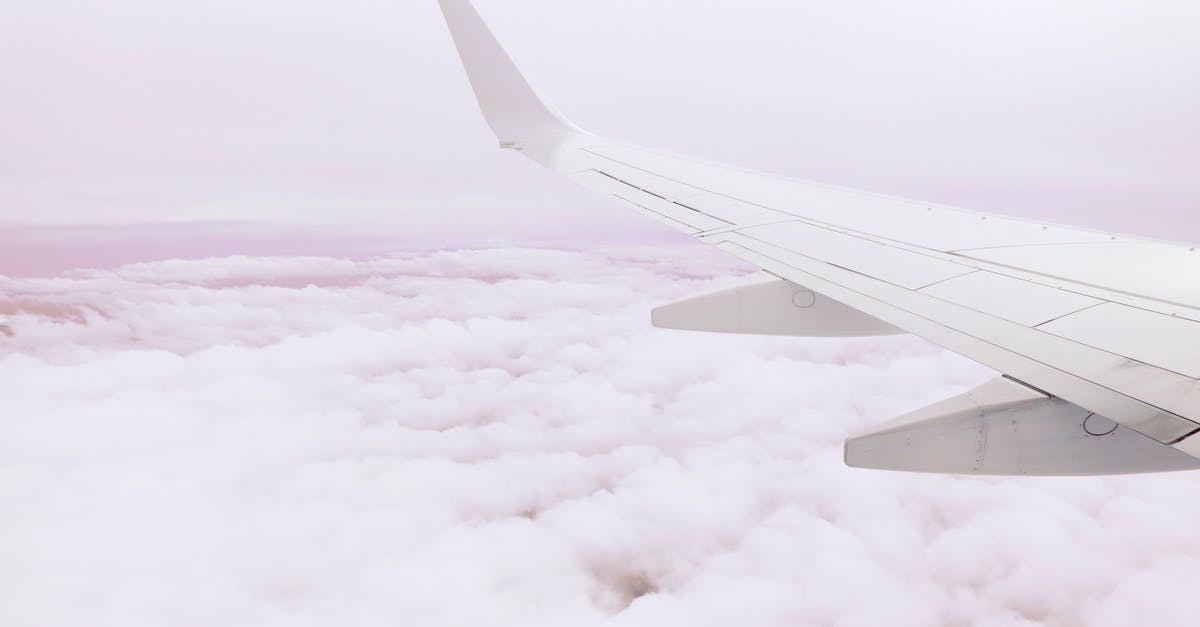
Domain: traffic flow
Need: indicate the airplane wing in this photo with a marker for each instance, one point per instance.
(1097, 335)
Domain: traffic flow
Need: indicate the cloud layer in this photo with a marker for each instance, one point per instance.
(498, 437)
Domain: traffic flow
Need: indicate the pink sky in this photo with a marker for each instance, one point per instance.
(357, 115)
(314, 128)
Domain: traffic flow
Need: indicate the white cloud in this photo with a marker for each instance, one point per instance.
(499, 437)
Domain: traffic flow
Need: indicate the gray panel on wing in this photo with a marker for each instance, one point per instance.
(1023, 302)
(1148, 269)
(1166, 341)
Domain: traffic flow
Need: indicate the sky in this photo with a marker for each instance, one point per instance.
(285, 340)
(357, 114)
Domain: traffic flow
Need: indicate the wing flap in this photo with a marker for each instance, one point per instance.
(1135, 270)
(1006, 428)
(768, 305)
(1020, 301)
(1166, 341)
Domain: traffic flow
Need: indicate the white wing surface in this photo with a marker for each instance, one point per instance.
(1097, 335)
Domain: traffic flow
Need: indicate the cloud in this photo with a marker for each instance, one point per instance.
(499, 437)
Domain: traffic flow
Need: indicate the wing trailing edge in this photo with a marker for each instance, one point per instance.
(1006, 428)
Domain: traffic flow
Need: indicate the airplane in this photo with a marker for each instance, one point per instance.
(1096, 336)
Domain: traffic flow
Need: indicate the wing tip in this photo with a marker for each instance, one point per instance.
(512, 107)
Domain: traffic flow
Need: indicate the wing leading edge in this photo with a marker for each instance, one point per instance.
(1071, 317)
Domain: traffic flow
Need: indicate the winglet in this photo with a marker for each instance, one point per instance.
(513, 109)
